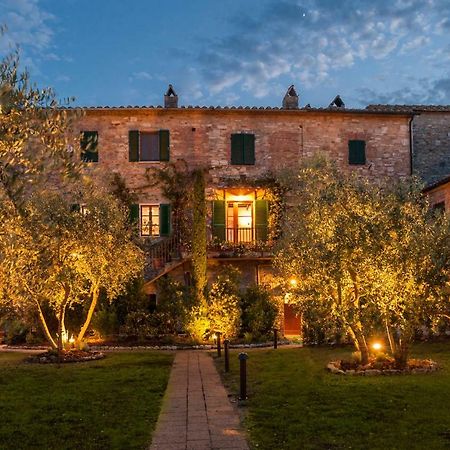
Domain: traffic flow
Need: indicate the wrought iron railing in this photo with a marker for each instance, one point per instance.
(240, 240)
(163, 251)
(245, 235)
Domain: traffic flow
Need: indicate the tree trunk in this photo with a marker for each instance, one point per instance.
(60, 327)
(45, 327)
(360, 343)
(401, 355)
(61, 324)
(391, 340)
(95, 295)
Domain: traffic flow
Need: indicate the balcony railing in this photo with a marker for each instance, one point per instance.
(240, 240)
(245, 235)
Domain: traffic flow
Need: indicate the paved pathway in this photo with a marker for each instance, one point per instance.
(196, 412)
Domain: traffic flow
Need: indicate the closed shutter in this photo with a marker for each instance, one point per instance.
(237, 149)
(133, 145)
(164, 219)
(134, 213)
(88, 144)
(164, 145)
(261, 219)
(249, 148)
(357, 152)
(218, 229)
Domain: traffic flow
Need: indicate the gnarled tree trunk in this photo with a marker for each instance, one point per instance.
(95, 294)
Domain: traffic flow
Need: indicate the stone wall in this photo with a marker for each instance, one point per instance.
(431, 146)
(282, 139)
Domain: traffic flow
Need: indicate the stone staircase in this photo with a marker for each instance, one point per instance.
(161, 257)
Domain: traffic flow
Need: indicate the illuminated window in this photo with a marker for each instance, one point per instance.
(149, 220)
(240, 221)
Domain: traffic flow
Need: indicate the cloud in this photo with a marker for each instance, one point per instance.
(312, 40)
(419, 92)
(27, 25)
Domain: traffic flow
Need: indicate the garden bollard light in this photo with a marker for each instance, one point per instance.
(227, 356)
(275, 338)
(219, 348)
(243, 378)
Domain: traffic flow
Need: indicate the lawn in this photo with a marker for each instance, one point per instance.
(295, 404)
(107, 404)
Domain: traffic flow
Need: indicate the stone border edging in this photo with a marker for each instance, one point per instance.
(154, 347)
(183, 347)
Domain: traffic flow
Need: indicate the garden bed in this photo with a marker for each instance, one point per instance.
(71, 356)
(386, 366)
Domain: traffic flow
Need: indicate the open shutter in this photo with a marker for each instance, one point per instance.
(164, 219)
(261, 219)
(237, 149)
(88, 144)
(357, 152)
(164, 145)
(134, 213)
(218, 229)
(249, 148)
(133, 145)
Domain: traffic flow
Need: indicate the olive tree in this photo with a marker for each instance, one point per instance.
(369, 253)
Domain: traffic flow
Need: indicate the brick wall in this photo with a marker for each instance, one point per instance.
(282, 139)
(431, 138)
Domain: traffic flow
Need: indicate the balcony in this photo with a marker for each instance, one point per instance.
(240, 242)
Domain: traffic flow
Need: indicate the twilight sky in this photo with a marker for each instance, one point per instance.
(234, 52)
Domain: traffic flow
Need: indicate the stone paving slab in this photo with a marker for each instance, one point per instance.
(196, 412)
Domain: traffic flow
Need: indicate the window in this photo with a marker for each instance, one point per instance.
(240, 221)
(88, 144)
(243, 149)
(149, 220)
(149, 146)
(357, 152)
(153, 220)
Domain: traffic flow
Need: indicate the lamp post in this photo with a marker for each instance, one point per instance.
(243, 376)
(226, 342)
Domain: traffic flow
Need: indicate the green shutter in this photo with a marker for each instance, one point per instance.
(249, 148)
(164, 145)
(218, 229)
(357, 152)
(164, 220)
(88, 144)
(237, 149)
(261, 219)
(75, 207)
(133, 145)
(134, 213)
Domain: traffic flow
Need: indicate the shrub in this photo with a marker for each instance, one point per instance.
(259, 312)
(105, 321)
(223, 303)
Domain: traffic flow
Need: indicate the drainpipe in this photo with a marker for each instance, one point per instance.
(411, 167)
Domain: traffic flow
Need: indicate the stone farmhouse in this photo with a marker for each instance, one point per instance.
(240, 146)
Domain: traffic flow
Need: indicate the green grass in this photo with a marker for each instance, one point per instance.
(107, 404)
(295, 404)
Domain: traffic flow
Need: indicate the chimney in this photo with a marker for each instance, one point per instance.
(337, 102)
(290, 100)
(170, 98)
